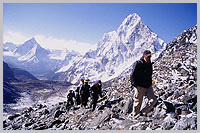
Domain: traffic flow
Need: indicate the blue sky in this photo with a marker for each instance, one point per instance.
(88, 22)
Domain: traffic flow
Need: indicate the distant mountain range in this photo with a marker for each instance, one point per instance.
(33, 58)
(116, 51)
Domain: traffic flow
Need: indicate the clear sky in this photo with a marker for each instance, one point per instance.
(86, 23)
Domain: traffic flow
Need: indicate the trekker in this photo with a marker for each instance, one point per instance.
(84, 93)
(70, 101)
(77, 94)
(141, 79)
(95, 92)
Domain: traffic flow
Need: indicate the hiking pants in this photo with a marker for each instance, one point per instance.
(70, 102)
(93, 103)
(140, 92)
(78, 101)
(84, 100)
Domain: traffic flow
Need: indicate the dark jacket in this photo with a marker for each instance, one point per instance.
(70, 96)
(142, 74)
(95, 90)
(85, 90)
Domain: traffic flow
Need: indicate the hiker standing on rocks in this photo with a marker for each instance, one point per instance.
(70, 101)
(95, 92)
(141, 79)
(77, 95)
(84, 93)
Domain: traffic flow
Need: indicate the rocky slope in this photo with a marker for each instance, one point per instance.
(175, 74)
(23, 75)
(8, 74)
(10, 93)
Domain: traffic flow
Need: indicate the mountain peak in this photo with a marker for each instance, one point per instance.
(134, 15)
(132, 19)
(32, 40)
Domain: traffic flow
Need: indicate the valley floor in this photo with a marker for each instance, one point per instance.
(37, 92)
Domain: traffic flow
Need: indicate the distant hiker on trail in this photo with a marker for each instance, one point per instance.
(70, 101)
(95, 92)
(141, 79)
(84, 93)
(77, 94)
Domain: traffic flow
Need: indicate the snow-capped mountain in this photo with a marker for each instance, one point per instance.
(29, 56)
(66, 57)
(116, 51)
(31, 51)
(35, 59)
(8, 46)
(58, 54)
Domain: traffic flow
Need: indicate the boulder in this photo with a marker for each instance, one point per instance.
(16, 126)
(168, 123)
(128, 107)
(46, 111)
(184, 72)
(41, 127)
(100, 119)
(182, 110)
(30, 109)
(186, 123)
(28, 124)
(12, 117)
(40, 106)
(116, 109)
(55, 122)
(57, 113)
(4, 123)
(176, 94)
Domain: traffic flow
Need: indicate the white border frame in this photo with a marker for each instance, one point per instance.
(88, 1)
